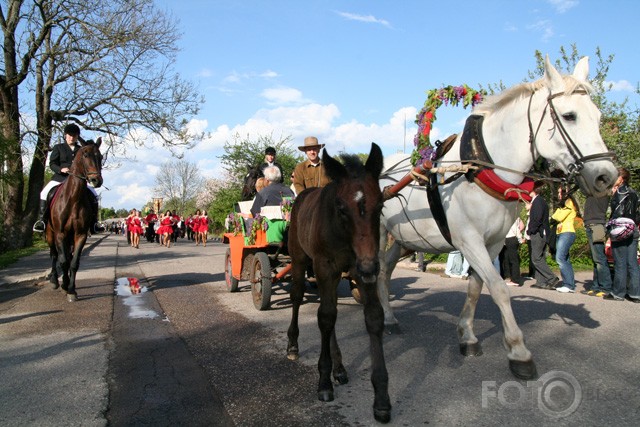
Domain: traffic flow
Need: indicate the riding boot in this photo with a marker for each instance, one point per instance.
(96, 227)
(40, 226)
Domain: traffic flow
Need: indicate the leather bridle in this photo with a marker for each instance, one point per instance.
(574, 150)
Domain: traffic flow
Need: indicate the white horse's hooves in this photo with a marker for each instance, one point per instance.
(72, 297)
(473, 349)
(524, 370)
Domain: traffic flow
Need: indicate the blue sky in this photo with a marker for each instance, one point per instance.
(353, 72)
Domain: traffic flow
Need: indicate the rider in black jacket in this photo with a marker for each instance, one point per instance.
(60, 161)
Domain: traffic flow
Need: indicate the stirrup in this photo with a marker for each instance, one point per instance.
(39, 226)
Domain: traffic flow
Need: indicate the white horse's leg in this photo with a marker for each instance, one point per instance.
(469, 345)
(388, 260)
(520, 360)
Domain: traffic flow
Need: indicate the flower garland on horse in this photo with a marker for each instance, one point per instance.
(446, 95)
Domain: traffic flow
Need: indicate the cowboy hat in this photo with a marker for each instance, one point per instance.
(310, 142)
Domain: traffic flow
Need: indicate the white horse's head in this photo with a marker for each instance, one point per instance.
(568, 131)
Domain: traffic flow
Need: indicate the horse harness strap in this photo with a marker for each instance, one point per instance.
(473, 150)
(578, 157)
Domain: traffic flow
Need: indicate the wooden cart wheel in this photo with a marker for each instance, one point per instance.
(261, 281)
(232, 282)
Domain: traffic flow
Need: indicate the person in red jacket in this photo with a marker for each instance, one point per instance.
(135, 227)
(166, 229)
(195, 225)
(203, 228)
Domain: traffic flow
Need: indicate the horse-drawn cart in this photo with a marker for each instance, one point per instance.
(258, 256)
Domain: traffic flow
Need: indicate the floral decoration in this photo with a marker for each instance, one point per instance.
(286, 205)
(259, 223)
(234, 223)
(452, 95)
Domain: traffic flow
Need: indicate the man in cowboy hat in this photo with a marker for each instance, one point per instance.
(270, 160)
(310, 173)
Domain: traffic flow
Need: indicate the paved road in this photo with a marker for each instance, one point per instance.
(189, 353)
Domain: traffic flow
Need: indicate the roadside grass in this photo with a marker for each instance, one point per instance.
(9, 257)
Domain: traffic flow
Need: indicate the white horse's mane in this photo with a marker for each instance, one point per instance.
(495, 103)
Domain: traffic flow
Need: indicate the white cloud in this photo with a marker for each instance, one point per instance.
(269, 74)
(620, 86)
(561, 6)
(282, 95)
(544, 27)
(205, 72)
(510, 28)
(364, 18)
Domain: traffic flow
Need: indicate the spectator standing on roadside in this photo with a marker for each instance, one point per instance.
(538, 231)
(595, 218)
(565, 216)
(624, 204)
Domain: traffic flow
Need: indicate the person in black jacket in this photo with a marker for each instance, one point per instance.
(624, 204)
(60, 161)
(270, 160)
(538, 230)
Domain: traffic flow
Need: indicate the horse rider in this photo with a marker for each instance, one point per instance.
(62, 156)
(270, 160)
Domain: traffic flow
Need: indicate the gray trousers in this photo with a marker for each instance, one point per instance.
(542, 273)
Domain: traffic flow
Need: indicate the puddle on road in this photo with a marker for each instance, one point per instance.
(131, 294)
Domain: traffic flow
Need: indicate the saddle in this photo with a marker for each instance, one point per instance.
(52, 196)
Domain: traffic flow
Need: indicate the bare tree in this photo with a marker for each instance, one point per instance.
(106, 65)
(179, 181)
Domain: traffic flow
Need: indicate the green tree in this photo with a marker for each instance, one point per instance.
(107, 66)
(242, 153)
(107, 213)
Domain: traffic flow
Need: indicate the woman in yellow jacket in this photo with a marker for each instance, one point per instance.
(566, 234)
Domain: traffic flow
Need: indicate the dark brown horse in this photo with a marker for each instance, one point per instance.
(336, 229)
(71, 217)
(249, 183)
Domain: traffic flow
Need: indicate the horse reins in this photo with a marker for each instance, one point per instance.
(87, 175)
(578, 157)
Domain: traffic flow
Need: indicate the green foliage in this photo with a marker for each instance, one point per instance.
(107, 213)
(122, 213)
(223, 202)
(242, 153)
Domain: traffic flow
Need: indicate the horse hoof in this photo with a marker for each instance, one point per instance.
(325, 395)
(382, 415)
(341, 377)
(523, 370)
(54, 286)
(468, 350)
(72, 297)
(292, 353)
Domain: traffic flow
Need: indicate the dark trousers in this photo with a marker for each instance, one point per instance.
(543, 273)
(511, 259)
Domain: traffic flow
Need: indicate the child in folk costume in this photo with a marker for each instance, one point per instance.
(166, 229)
(203, 228)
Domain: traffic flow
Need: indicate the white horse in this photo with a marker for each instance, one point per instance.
(553, 118)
